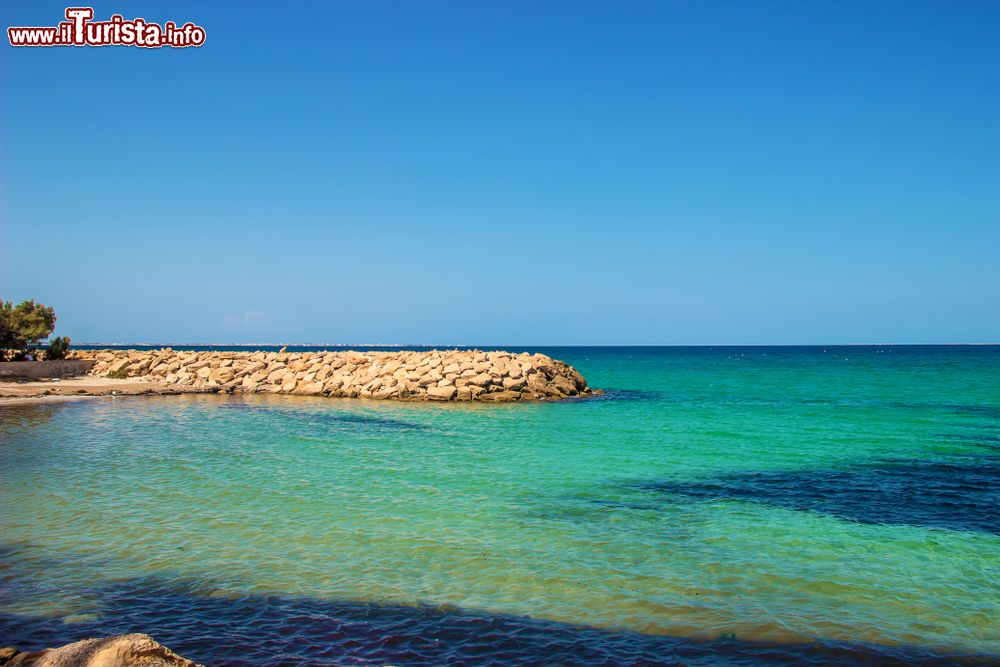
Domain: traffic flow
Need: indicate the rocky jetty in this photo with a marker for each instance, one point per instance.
(437, 375)
(131, 650)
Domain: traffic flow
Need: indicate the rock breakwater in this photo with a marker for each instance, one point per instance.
(436, 375)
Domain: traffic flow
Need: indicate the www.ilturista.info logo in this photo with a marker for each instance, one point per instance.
(80, 30)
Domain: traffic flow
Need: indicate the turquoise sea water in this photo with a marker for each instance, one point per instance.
(717, 506)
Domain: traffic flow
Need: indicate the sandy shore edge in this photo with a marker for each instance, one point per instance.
(84, 387)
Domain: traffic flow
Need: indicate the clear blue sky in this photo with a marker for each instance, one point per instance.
(525, 173)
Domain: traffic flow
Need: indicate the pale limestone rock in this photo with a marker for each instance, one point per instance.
(432, 377)
(119, 365)
(311, 388)
(131, 650)
(564, 385)
(221, 375)
(441, 393)
(513, 383)
(481, 380)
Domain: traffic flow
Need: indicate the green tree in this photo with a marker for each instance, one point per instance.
(26, 325)
(58, 348)
(6, 332)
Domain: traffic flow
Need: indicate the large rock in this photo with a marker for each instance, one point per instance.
(118, 366)
(132, 650)
(514, 383)
(441, 393)
(311, 389)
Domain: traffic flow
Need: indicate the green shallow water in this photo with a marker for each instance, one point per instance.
(775, 494)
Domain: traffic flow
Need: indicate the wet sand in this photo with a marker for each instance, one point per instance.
(82, 387)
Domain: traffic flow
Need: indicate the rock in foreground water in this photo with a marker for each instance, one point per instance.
(131, 650)
(436, 375)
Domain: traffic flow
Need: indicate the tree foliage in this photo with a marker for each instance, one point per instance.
(26, 325)
(6, 333)
(57, 349)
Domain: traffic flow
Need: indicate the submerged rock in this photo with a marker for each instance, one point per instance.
(131, 650)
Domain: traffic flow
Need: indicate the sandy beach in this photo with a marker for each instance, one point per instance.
(81, 387)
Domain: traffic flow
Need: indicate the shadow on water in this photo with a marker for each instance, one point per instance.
(963, 409)
(985, 440)
(989, 411)
(19, 417)
(278, 630)
(328, 417)
(957, 493)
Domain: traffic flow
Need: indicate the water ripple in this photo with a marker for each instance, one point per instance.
(281, 630)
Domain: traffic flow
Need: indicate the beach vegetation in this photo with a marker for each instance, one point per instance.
(58, 348)
(24, 327)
